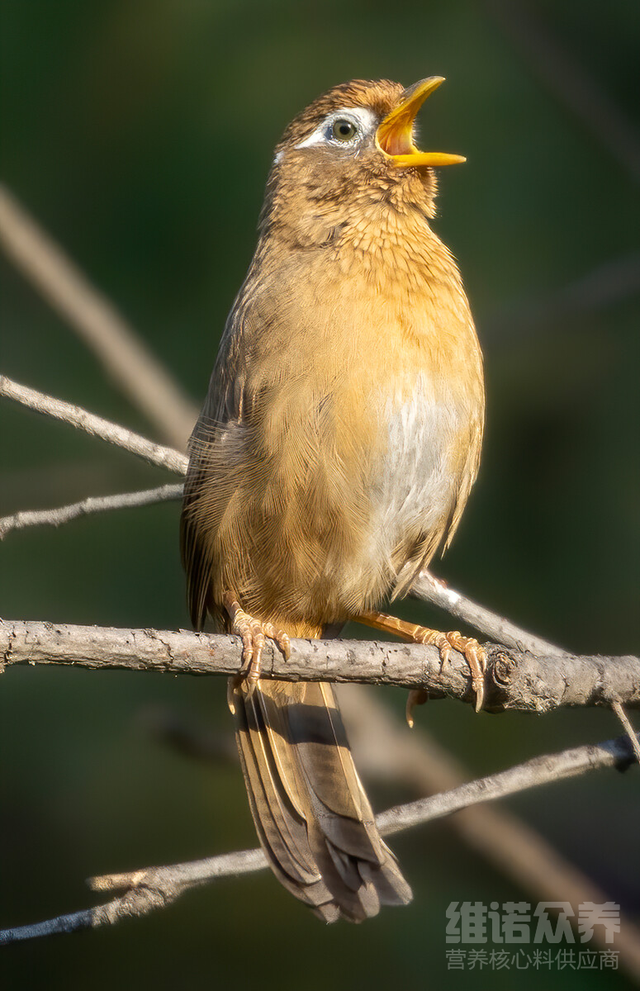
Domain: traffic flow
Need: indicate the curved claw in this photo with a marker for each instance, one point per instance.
(416, 696)
(476, 658)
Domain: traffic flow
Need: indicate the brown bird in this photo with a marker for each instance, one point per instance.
(334, 454)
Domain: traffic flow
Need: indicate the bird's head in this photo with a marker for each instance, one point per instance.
(354, 146)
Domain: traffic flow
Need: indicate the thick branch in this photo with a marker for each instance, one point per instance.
(155, 887)
(156, 454)
(514, 680)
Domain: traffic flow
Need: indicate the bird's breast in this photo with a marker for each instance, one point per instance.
(358, 408)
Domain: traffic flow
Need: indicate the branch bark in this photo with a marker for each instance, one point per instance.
(513, 680)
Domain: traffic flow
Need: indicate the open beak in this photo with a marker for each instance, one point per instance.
(394, 134)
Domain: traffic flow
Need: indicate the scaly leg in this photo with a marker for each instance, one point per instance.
(253, 633)
(469, 647)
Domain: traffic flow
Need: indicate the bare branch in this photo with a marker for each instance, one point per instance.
(94, 504)
(513, 680)
(156, 454)
(141, 376)
(425, 587)
(500, 630)
(538, 771)
(156, 887)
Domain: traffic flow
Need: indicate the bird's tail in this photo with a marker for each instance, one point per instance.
(310, 809)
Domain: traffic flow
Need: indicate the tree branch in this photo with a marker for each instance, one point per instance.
(430, 589)
(139, 373)
(425, 587)
(155, 454)
(627, 727)
(513, 680)
(94, 504)
(156, 887)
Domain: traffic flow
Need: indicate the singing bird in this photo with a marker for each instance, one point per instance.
(334, 455)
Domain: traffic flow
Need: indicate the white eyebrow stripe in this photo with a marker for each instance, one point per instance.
(366, 118)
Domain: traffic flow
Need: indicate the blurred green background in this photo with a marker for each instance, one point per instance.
(139, 133)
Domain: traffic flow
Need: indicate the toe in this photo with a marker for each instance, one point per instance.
(279, 637)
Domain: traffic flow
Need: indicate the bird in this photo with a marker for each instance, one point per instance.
(334, 454)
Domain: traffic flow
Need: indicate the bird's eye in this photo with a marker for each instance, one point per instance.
(343, 129)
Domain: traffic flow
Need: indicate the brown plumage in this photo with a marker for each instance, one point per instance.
(334, 454)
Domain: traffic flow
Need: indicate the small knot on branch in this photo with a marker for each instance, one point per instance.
(503, 668)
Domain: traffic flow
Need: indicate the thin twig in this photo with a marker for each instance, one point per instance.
(140, 375)
(155, 887)
(94, 504)
(156, 454)
(513, 680)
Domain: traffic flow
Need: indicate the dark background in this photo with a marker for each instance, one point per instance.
(139, 133)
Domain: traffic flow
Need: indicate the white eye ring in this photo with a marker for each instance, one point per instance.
(363, 119)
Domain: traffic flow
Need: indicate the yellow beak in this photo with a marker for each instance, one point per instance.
(394, 134)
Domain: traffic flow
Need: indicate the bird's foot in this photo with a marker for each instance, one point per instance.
(254, 634)
(469, 647)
